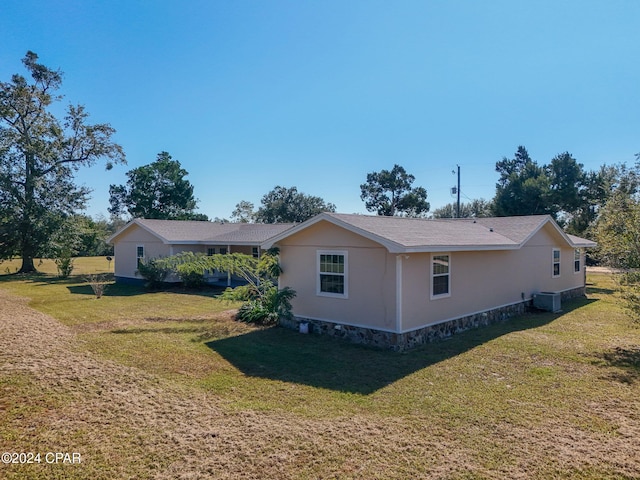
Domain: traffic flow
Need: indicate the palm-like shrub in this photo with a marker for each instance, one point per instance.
(269, 305)
(264, 303)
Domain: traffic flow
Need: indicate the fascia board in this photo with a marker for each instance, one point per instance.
(185, 242)
(585, 244)
(213, 242)
(244, 243)
(465, 248)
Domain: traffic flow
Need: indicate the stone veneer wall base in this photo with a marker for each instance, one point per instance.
(407, 340)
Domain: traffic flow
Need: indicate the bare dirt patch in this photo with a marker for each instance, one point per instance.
(127, 423)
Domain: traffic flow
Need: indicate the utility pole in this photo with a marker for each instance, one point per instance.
(458, 192)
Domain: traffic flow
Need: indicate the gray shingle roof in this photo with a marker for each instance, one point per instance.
(194, 232)
(418, 234)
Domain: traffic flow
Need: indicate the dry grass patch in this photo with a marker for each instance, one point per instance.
(176, 389)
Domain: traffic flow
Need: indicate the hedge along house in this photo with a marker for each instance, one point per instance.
(145, 239)
(398, 282)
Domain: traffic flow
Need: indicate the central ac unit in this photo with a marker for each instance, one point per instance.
(549, 301)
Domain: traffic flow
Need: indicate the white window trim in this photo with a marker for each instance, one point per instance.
(344, 253)
(144, 254)
(579, 252)
(431, 275)
(553, 262)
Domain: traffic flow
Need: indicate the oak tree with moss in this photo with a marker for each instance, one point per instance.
(39, 154)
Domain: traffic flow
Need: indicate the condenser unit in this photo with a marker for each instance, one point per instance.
(548, 301)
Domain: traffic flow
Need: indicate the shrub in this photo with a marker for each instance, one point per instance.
(629, 289)
(98, 283)
(243, 293)
(269, 306)
(191, 278)
(64, 264)
(153, 273)
(265, 304)
(254, 311)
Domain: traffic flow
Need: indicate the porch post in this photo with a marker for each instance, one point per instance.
(398, 293)
(228, 273)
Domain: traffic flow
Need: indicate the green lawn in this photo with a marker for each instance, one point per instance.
(505, 394)
(82, 266)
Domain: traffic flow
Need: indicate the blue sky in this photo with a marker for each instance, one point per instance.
(248, 95)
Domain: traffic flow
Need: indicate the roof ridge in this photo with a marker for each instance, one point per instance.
(463, 219)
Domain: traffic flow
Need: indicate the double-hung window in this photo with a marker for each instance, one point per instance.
(556, 263)
(332, 273)
(576, 260)
(139, 255)
(440, 276)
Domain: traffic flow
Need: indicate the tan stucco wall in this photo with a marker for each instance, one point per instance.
(483, 280)
(480, 280)
(371, 277)
(125, 249)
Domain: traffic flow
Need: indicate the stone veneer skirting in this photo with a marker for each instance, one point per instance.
(407, 340)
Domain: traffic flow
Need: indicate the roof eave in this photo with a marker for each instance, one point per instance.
(459, 248)
(587, 244)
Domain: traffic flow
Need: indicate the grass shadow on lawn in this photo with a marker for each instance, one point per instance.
(78, 285)
(125, 290)
(626, 359)
(592, 290)
(324, 362)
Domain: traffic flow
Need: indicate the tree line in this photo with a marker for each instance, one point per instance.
(40, 203)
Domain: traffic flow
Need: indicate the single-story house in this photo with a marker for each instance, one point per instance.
(145, 239)
(398, 282)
